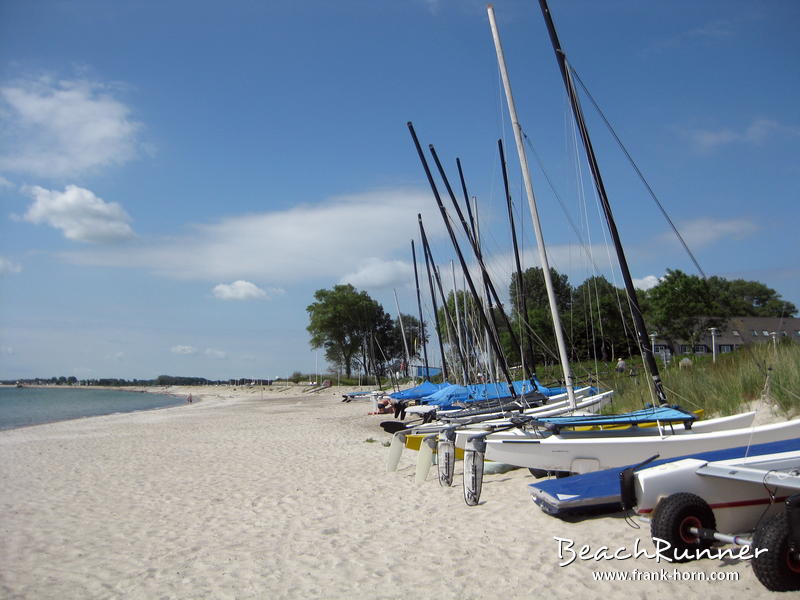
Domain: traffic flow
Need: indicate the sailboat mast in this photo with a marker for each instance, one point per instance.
(421, 320)
(551, 296)
(522, 305)
(638, 319)
(494, 341)
(402, 332)
(426, 253)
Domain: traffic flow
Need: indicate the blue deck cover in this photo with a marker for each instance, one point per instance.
(599, 492)
(425, 388)
(664, 414)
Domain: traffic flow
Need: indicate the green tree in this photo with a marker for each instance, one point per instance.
(742, 298)
(341, 321)
(682, 307)
(600, 323)
(539, 315)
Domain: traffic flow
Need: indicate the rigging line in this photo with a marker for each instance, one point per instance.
(585, 216)
(606, 245)
(683, 398)
(572, 225)
(636, 168)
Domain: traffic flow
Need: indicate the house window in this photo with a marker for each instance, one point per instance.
(724, 348)
(755, 333)
(700, 349)
(736, 332)
(685, 349)
(766, 333)
(658, 348)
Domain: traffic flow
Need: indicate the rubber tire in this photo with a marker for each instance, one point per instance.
(773, 568)
(675, 512)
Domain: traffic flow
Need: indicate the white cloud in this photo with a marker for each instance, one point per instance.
(378, 273)
(297, 244)
(64, 128)
(239, 290)
(183, 350)
(5, 183)
(79, 214)
(8, 266)
(705, 231)
(218, 354)
(645, 283)
(756, 133)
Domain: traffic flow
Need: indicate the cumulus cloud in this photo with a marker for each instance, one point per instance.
(707, 140)
(218, 354)
(183, 350)
(8, 267)
(324, 240)
(705, 231)
(645, 283)
(79, 214)
(239, 290)
(64, 128)
(379, 273)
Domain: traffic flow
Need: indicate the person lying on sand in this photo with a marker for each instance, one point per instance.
(385, 405)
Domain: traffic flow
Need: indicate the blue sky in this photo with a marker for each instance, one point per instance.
(178, 178)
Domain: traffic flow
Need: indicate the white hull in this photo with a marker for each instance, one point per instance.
(707, 426)
(592, 404)
(557, 401)
(738, 504)
(582, 455)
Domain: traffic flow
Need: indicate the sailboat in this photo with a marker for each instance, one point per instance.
(559, 452)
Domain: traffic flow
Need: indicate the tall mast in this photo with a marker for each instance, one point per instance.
(522, 306)
(421, 320)
(426, 252)
(464, 365)
(474, 241)
(551, 296)
(402, 332)
(638, 319)
(437, 279)
(494, 341)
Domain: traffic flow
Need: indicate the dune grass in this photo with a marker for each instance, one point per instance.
(721, 388)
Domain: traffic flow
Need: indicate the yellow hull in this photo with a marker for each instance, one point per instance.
(414, 440)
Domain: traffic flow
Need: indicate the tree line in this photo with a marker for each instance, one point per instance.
(357, 333)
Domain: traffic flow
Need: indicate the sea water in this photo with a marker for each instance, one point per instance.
(20, 407)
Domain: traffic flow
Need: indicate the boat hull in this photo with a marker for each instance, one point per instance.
(586, 454)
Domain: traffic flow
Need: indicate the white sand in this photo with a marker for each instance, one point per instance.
(240, 496)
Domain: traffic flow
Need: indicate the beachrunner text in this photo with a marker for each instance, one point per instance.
(568, 554)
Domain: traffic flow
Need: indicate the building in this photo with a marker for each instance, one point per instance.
(735, 333)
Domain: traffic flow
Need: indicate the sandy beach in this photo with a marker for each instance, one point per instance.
(280, 494)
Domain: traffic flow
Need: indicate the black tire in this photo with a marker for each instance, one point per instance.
(777, 569)
(538, 473)
(672, 518)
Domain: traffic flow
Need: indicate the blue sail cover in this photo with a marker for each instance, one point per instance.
(426, 388)
(459, 394)
(599, 491)
(664, 414)
(447, 397)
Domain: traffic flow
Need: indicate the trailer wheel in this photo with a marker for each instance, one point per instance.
(672, 518)
(778, 569)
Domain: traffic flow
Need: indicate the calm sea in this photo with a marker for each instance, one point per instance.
(31, 406)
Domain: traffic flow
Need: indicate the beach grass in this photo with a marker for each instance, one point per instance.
(758, 371)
